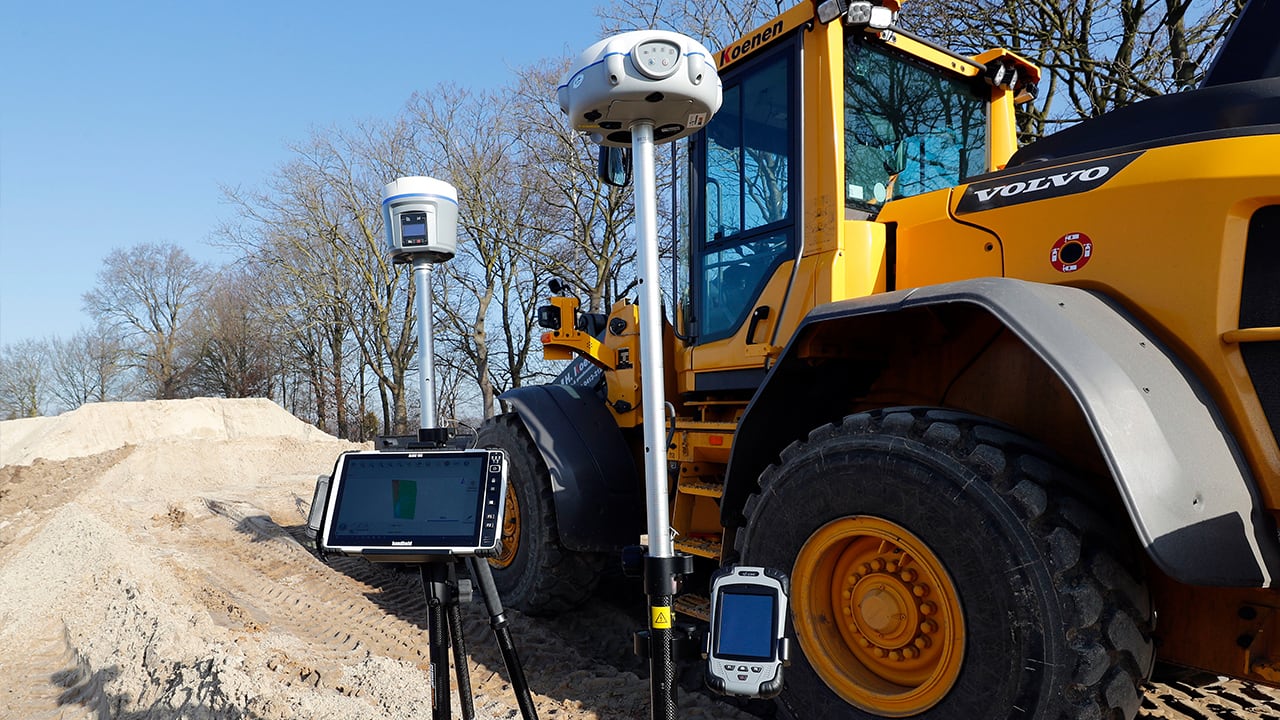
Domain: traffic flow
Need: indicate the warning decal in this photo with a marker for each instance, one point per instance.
(1071, 252)
(660, 618)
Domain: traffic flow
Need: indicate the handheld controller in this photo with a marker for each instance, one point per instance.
(747, 648)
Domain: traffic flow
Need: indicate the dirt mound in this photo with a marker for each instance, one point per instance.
(98, 427)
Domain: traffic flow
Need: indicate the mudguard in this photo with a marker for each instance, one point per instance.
(599, 499)
(1187, 489)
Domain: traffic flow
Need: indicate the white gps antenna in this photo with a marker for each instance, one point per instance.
(420, 215)
(641, 88)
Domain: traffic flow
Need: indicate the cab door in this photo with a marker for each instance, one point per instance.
(742, 221)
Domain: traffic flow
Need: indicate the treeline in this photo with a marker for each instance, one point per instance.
(311, 314)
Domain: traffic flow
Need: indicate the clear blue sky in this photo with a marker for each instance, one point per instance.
(119, 121)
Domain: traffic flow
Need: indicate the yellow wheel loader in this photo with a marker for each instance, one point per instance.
(1006, 416)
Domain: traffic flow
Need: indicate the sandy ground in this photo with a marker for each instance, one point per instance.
(150, 567)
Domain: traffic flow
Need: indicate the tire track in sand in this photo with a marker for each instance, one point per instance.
(1224, 699)
(51, 680)
(349, 608)
(277, 585)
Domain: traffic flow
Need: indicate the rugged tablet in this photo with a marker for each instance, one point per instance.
(412, 506)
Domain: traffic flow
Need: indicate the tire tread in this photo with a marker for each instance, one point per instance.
(1106, 610)
(564, 578)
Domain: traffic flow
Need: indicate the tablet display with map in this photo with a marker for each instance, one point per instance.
(409, 506)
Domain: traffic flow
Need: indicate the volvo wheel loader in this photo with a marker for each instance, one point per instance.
(1006, 415)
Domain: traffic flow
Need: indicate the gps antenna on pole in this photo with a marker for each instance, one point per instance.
(640, 89)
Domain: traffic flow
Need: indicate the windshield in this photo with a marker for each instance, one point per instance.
(908, 130)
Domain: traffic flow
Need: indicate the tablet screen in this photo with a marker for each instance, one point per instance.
(442, 501)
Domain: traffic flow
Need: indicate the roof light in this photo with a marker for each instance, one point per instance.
(867, 14)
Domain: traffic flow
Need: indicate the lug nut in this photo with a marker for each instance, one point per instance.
(922, 642)
(877, 565)
(928, 627)
(896, 656)
(891, 567)
(920, 590)
(907, 576)
(928, 608)
(910, 653)
(879, 652)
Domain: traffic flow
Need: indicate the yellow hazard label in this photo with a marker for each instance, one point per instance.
(660, 618)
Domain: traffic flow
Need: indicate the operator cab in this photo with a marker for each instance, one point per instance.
(755, 224)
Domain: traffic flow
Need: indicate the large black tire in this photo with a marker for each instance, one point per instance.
(1047, 623)
(535, 574)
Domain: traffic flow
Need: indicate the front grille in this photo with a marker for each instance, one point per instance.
(1260, 307)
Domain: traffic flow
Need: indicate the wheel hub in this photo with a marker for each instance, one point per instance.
(877, 616)
(510, 531)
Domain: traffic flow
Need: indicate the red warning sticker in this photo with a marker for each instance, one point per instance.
(1071, 252)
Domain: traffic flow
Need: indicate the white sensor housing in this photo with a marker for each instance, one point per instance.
(660, 77)
(420, 215)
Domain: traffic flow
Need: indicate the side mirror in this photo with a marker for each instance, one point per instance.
(614, 166)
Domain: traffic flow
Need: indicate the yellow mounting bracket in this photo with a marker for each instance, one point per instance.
(561, 343)
(1028, 73)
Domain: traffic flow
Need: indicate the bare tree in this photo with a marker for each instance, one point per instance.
(148, 292)
(318, 229)
(475, 141)
(1095, 56)
(586, 222)
(90, 366)
(715, 23)
(237, 342)
(302, 291)
(23, 379)
(357, 165)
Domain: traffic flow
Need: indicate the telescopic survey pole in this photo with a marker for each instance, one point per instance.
(643, 88)
(660, 569)
(427, 426)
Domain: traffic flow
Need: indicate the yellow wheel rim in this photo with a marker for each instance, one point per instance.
(877, 616)
(510, 531)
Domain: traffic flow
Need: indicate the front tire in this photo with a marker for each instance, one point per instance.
(534, 573)
(939, 570)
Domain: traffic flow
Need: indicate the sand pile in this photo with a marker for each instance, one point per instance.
(99, 427)
(150, 567)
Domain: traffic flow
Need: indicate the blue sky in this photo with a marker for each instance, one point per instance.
(120, 121)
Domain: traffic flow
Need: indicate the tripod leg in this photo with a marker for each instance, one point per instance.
(498, 621)
(435, 584)
(454, 617)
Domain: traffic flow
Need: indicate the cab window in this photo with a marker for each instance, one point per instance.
(909, 129)
(746, 168)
